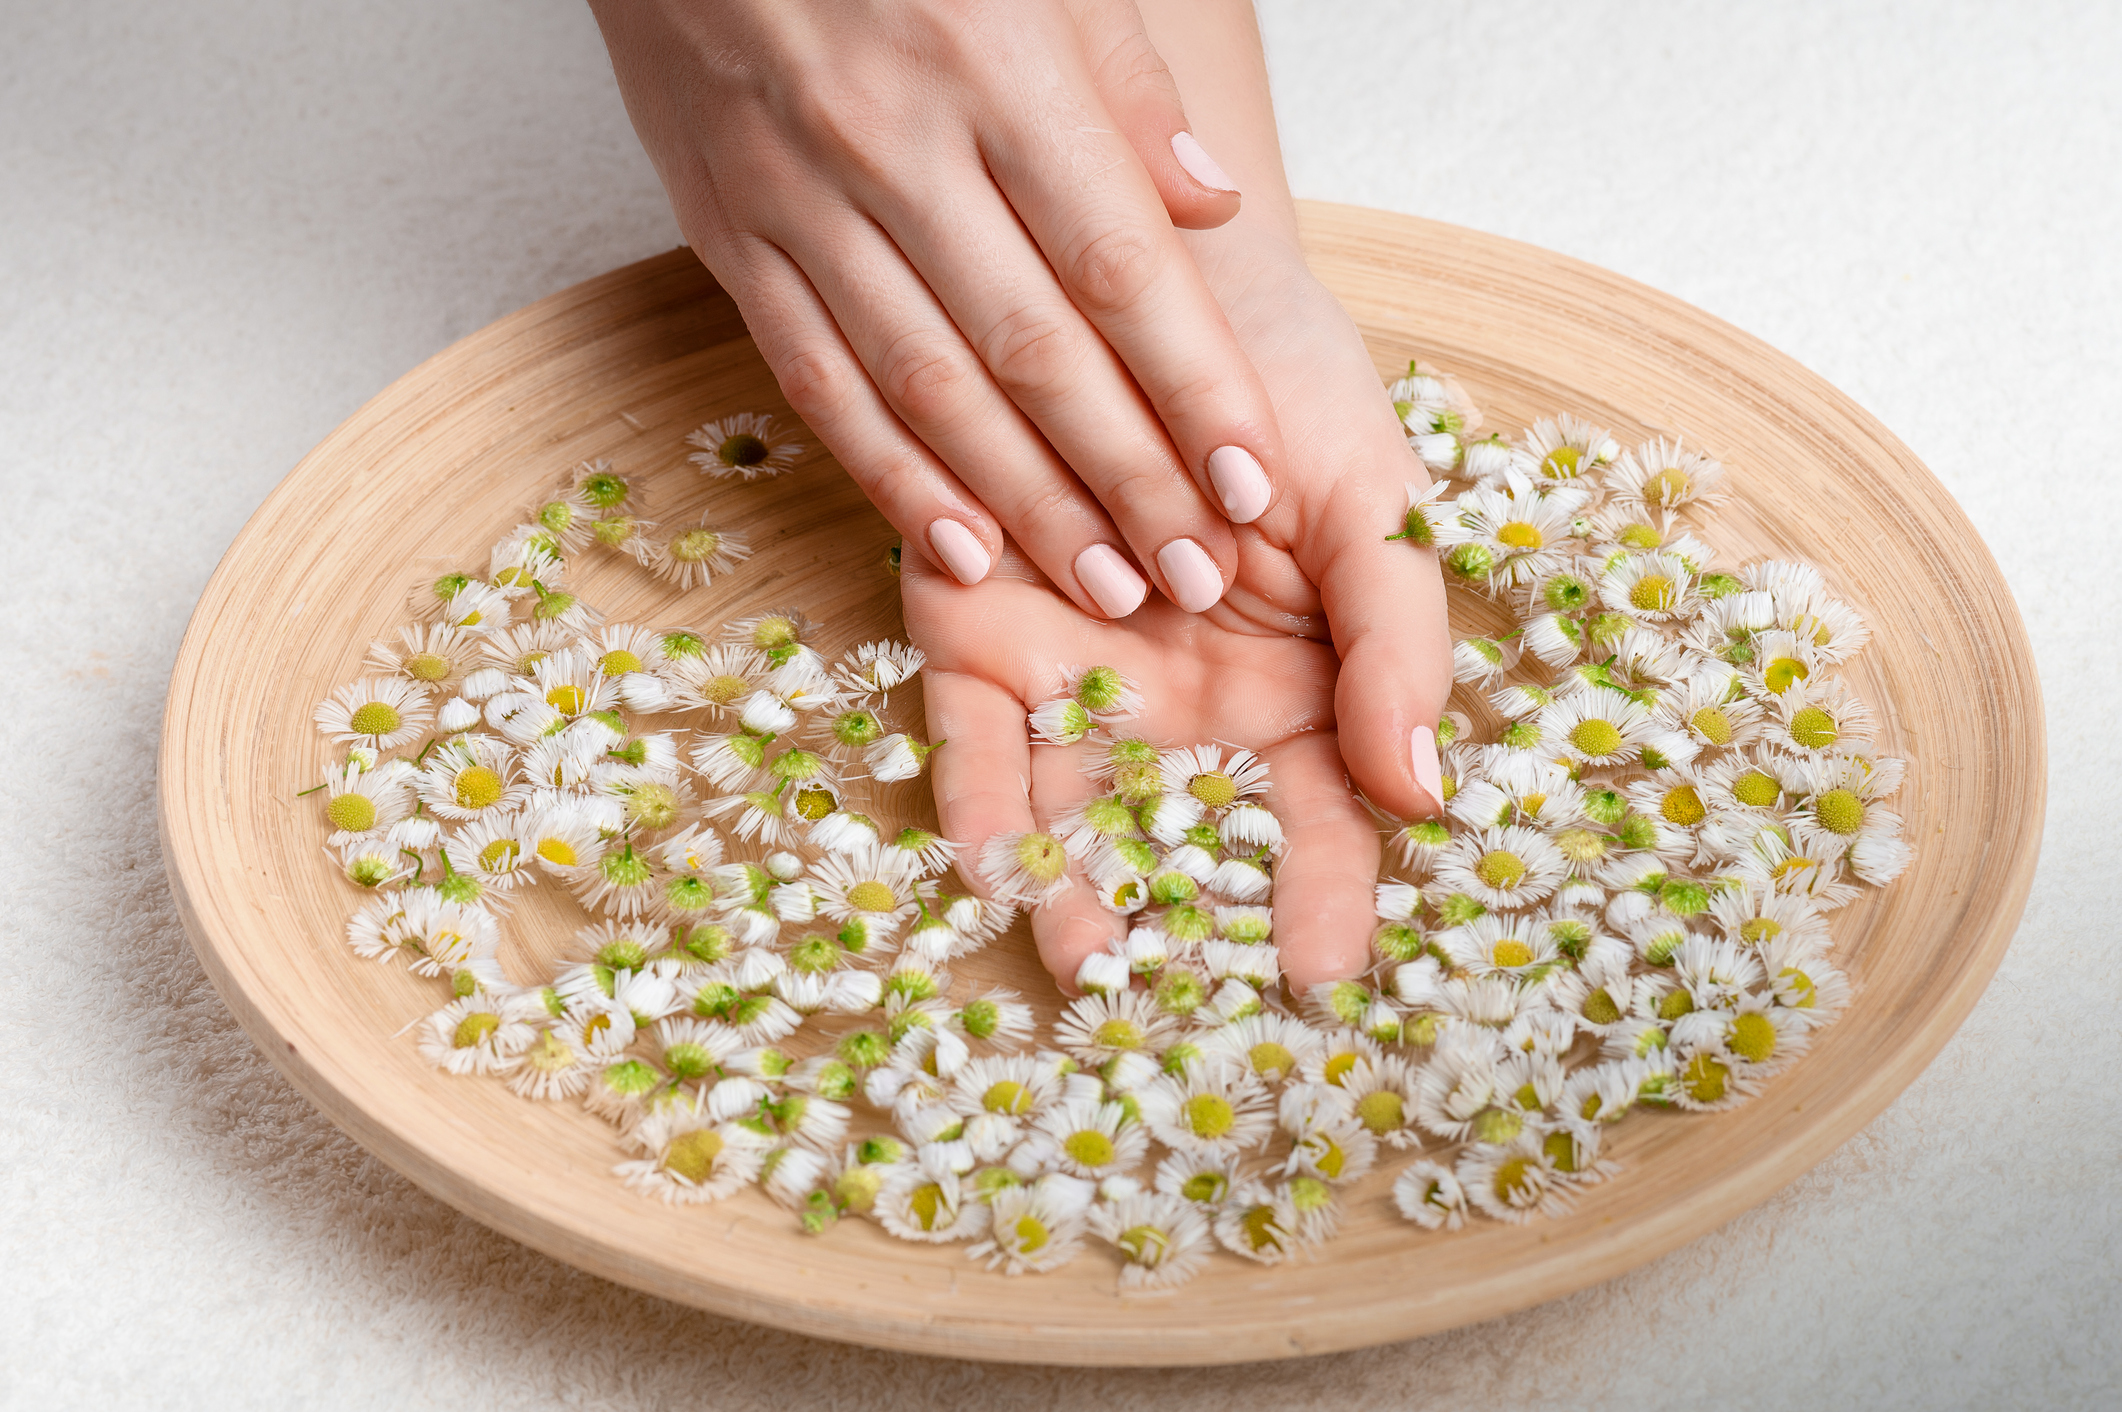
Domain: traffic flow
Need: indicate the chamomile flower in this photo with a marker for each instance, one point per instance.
(1842, 809)
(1600, 728)
(1026, 869)
(1164, 1239)
(1093, 1139)
(553, 1065)
(1502, 868)
(1525, 535)
(471, 777)
(1564, 449)
(1513, 1182)
(476, 607)
(1429, 1194)
(435, 656)
(696, 554)
(1210, 1112)
(1259, 1224)
(927, 1202)
(479, 1034)
(1212, 778)
(381, 713)
(1270, 1047)
(1666, 475)
(362, 805)
(1099, 1028)
(1812, 718)
(746, 445)
(692, 1158)
(1653, 588)
(1431, 522)
(1030, 1230)
(1438, 416)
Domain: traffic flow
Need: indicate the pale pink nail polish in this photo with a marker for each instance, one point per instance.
(1429, 772)
(1196, 582)
(960, 550)
(1110, 580)
(1199, 165)
(1240, 484)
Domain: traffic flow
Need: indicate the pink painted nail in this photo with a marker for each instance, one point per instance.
(1195, 580)
(960, 551)
(1110, 580)
(1429, 773)
(1199, 165)
(1240, 484)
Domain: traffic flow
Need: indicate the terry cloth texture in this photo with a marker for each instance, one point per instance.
(228, 224)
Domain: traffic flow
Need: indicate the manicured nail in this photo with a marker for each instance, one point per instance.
(1429, 772)
(1110, 580)
(1240, 484)
(1199, 165)
(1195, 580)
(960, 551)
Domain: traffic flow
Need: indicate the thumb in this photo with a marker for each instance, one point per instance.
(1143, 100)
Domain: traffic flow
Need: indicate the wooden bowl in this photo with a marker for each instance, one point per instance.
(442, 462)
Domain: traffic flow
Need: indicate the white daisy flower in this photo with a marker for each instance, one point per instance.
(479, 1034)
(381, 713)
(1842, 808)
(471, 777)
(1708, 1080)
(362, 805)
(1502, 868)
(1221, 1112)
(1260, 1225)
(1600, 728)
(1526, 535)
(1270, 1047)
(1098, 1028)
(1801, 605)
(927, 1202)
(1026, 869)
(1438, 416)
(624, 883)
(554, 1065)
(1431, 522)
(1203, 774)
(1094, 1140)
(747, 445)
(478, 607)
(693, 1158)
(1429, 1194)
(1031, 1230)
(1653, 588)
(1812, 718)
(697, 554)
(1565, 448)
(1666, 475)
(1513, 1182)
(432, 655)
(897, 757)
(1163, 1238)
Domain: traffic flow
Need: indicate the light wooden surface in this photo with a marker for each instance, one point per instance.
(440, 463)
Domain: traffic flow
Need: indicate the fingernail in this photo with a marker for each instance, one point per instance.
(1195, 580)
(1240, 484)
(960, 551)
(1199, 165)
(1110, 580)
(1429, 772)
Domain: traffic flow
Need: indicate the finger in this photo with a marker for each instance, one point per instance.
(1122, 264)
(1045, 358)
(827, 387)
(1075, 926)
(1324, 883)
(920, 367)
(1142, 97)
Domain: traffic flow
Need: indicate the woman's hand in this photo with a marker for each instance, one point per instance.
(949, 226)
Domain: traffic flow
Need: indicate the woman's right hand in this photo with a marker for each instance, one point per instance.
(950, 228)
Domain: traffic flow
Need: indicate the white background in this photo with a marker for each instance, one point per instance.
(226, 225)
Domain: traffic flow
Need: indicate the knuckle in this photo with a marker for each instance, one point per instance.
(1133, 66)
(815, 383)
(1113, 269)
(928, 384)
(1030, 353)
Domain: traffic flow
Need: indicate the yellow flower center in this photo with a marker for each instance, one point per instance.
(1271, 1060)
(1500, 870)
(1332, 1159)
(1145, 1245)
(1759, 929)
(871, 896)
(1514, 1180)
(1561, 463)
(1510, 953)
(427, 666)
(815, 802)
(1752, 1038)
(1032, 1234)
(1782, 672)
(1712, 725)
(1337, 1068)
(1682, 806)
(1042, 857)
(1209, 1115)
(692, 1155)
(1596, 738)
(1669, 487)
(1704, 1078)
(1009, 1097)
(925, 1205)
(355, 813)
(1756, 790)
(1599, 1008)
(1117, 1034)
(566, 698)
(1090, 1148)
(1498, 1125)
(1213, 788)
(695, 546)
(1205, 1186)
(1813, 728)
(1520, 535)
(1676, 1004)
(1639, 537)
(558, 852)
(1580, 845)
(1381, 1111)
(1653, 593)
(618, 662)
(473, 1028)
(1261, 1232)
(1839, 811)
(723, 689)
(477, 788)
(500, 855)
(376, 718)
(1801, 983)
(1561, 1149)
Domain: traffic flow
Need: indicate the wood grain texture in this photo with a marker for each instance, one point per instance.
(441, 463)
